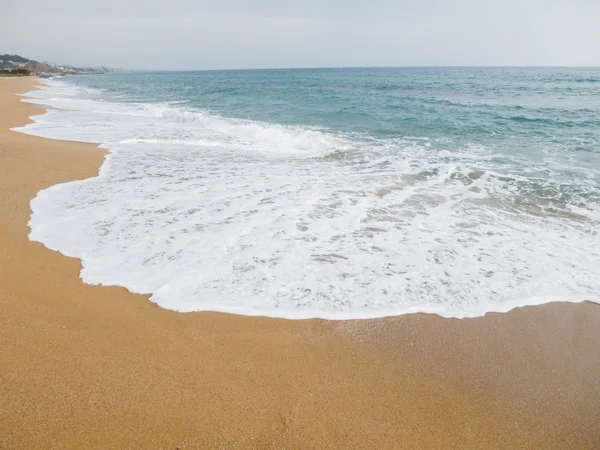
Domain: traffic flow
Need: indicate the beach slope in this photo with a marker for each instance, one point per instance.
(97, 367)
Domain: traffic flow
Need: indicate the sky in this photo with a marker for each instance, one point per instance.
(230, 34)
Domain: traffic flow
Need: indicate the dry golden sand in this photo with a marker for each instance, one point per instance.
(97, 367)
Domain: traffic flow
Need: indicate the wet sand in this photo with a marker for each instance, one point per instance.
(98, 367)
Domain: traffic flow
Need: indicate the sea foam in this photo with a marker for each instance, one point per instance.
(209, 213)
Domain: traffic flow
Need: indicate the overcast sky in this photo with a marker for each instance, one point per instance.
(221, 34)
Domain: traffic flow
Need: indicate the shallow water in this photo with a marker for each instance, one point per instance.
(340, 193)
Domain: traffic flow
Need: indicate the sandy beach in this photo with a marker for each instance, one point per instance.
(98, 367)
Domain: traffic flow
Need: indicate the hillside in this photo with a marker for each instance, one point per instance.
(14, 63)
(13, 58)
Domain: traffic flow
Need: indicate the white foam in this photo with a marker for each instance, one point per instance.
(209, 213)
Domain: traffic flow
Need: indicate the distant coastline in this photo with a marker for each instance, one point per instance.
(16, 65)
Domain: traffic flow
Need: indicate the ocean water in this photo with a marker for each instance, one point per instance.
(332, 193)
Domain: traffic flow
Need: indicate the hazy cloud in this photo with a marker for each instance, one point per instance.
(187, 34)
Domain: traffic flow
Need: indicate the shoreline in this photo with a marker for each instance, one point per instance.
(101, 367)
(440, 309)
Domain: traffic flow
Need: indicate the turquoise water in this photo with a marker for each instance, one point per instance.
(333, 193)
(482, 106)
(531, 117)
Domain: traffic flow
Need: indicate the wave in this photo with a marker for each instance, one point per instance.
(212, 130)
(210, 213)
(587, 80)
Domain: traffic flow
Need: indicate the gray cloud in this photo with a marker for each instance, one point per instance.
(209, 34)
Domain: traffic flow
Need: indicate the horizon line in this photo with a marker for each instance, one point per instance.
(369, 67)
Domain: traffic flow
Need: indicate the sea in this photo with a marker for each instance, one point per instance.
(332, 193)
